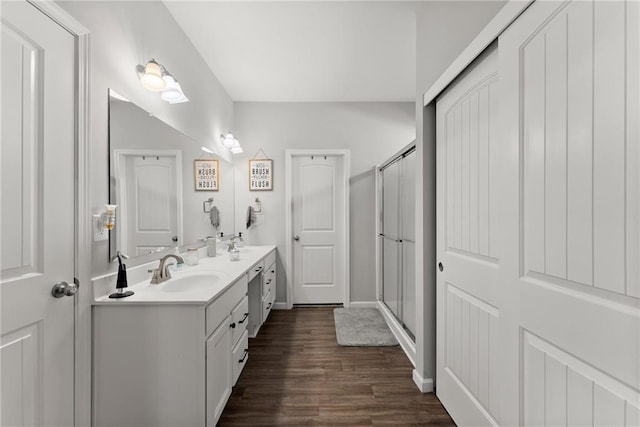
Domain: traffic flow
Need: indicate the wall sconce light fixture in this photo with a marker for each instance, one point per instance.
(155, 77)
(229, 140)
(232, 143)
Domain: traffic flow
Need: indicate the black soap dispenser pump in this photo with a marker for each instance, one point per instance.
(121, 281)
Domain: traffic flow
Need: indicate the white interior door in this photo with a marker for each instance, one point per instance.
(152, 204)
(570, 288)
(37, 222)
(467, 299)
(319, 253)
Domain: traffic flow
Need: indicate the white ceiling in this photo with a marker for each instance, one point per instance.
(298, 51)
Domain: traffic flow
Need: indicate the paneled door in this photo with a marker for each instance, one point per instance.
(467, 301)
(37, 222)
(570, 194)
(152, 204)
(319, 253)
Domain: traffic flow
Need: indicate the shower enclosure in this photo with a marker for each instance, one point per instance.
(397, 237)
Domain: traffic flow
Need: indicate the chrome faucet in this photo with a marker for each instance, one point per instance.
(162, 273)
(233, 241)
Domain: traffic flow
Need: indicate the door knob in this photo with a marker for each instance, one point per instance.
(440, 266)
(174, 238)
(296, 237)
(62, 289)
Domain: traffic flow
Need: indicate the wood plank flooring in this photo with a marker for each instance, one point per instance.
(297, 375)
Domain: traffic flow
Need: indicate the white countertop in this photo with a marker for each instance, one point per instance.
(213, 275)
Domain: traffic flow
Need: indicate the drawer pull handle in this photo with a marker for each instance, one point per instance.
(258, 269)
(268, 281)
(244, 356)
(244, 318)
(273, 271)
(233, 325)
(269, 306)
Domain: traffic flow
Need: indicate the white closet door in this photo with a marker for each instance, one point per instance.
(569, 203)
(467, 301)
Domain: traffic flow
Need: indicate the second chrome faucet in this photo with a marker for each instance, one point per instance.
(162, 273)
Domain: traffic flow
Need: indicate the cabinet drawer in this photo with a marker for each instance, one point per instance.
(257, 268)
(220, 308)
(239, 319)
(270, 260)
(267, 286)
(267, 305)
(269, 280)
(240, 355)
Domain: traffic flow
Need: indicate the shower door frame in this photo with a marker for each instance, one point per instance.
(396, 325)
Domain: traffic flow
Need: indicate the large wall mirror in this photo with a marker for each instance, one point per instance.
(152, 180)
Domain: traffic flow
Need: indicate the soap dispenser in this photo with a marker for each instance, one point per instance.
(219, 245)
(121, 281)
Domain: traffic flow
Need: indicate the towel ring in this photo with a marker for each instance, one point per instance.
(204, 205)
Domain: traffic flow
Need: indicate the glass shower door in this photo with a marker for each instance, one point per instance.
(391, 292)
(409, 242)
(398, 243)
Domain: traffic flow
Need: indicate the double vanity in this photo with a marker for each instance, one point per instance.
(170, 354)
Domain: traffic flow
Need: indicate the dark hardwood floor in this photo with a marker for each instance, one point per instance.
(298, 375)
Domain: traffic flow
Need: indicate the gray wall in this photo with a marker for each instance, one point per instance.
(444, 29)
(124, 34)
(372, 131)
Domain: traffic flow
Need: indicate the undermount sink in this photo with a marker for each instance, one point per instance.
(191, 282)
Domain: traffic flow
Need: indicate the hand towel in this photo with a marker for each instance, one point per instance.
(214, 216)
(251, 216)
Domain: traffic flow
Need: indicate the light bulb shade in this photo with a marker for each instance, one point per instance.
(173, 92)
(230, 141)
(152, 79)
(236, 150)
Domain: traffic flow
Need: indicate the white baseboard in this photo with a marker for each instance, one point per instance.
(424, 385)
(363, 304)
(279, 306)
(408, 346)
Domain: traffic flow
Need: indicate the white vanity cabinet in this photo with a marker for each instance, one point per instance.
(226, 324)
(168, 364)
(268, 285)
(262, 292)
(165, 357)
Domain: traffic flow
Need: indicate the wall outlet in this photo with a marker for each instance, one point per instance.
(99, 233)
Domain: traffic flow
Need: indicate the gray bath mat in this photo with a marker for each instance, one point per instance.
(362, 327)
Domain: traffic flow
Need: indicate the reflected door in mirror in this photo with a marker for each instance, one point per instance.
(150, 216)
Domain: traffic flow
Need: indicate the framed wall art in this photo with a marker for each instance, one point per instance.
(206, 174)
(260, 175)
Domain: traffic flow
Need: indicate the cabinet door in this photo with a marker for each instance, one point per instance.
(219, 371)
(239, 320)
